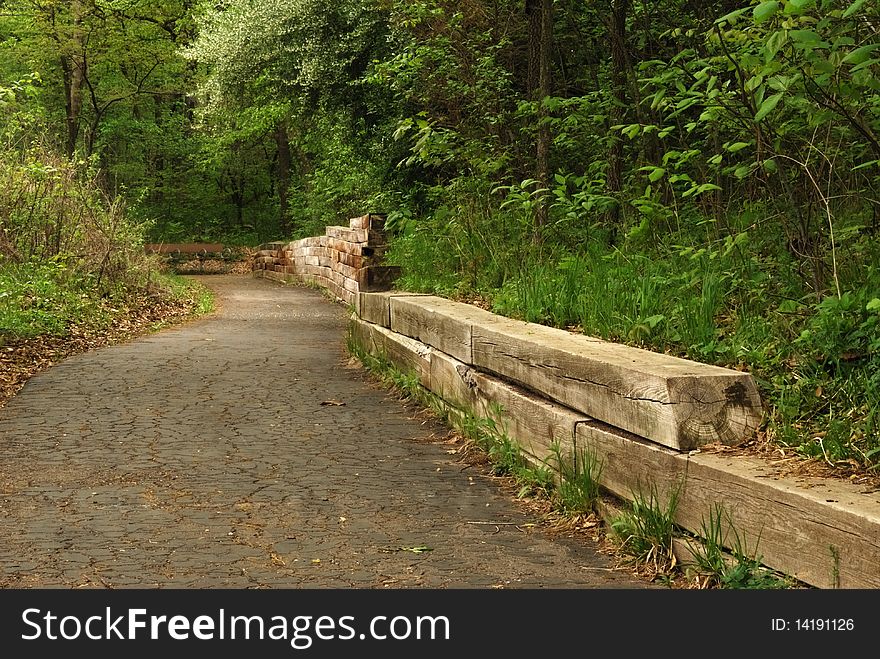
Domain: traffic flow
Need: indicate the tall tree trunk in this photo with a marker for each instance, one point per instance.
(540, 14)
(617, 33)
(283, 141)
(73, 68)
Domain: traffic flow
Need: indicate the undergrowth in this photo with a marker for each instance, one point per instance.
(734, 298)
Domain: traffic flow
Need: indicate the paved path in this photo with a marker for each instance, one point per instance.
(202, 457)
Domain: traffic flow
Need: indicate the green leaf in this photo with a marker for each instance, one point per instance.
(853, 8)
(797, 7)
(774, 43)
(864, 65)
(770, 166)
(632, 130)
(768, 106)
(732, 16)
(737, 146)
(753, 83)
(656, 175)
(780, 83)
(873, 305)
(807, 39)
(866, 164)
(765, 10)
(859, 55)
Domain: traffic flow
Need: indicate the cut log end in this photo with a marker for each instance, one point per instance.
(715, 410)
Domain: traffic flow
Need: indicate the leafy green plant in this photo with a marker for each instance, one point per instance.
(647, 530)
(578, 486)
(723, 558)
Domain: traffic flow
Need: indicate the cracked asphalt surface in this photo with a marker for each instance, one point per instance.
(207, 456)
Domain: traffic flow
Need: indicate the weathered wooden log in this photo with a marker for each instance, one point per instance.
(453, 382)
(375, 307)
(408, 355)
(538, 426)
(441, 323)
(821, 531)
(676, 402)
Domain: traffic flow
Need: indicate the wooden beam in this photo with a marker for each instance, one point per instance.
(436, 321)
(820, 531)
(537, 425)
(375, 307)
(675, 402)
(453, 381)
(408, 355)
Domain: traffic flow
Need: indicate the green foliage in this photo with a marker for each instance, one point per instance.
(578, 488)
(41, 299)
(646, 531)
(724, 559)
(70, 257)
(713, 194)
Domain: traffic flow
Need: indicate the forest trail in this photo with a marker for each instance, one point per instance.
(245, 450)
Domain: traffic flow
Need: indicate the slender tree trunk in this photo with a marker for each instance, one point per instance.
(540, 14)
(617, 32)
(73, 83)
(73, 68)
(283, 141)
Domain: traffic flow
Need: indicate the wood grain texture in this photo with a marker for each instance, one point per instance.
(408, 355)
(537, 425)
(434, 321)
(674, 402)
(823, 532)
(453, 381)
(375, 307)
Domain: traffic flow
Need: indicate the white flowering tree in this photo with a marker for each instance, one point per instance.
(274, 67)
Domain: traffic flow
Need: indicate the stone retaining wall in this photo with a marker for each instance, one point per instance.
(344, 261)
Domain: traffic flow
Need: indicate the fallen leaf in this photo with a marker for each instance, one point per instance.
(416, 550)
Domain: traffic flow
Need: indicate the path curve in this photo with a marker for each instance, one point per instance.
(202, 457)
